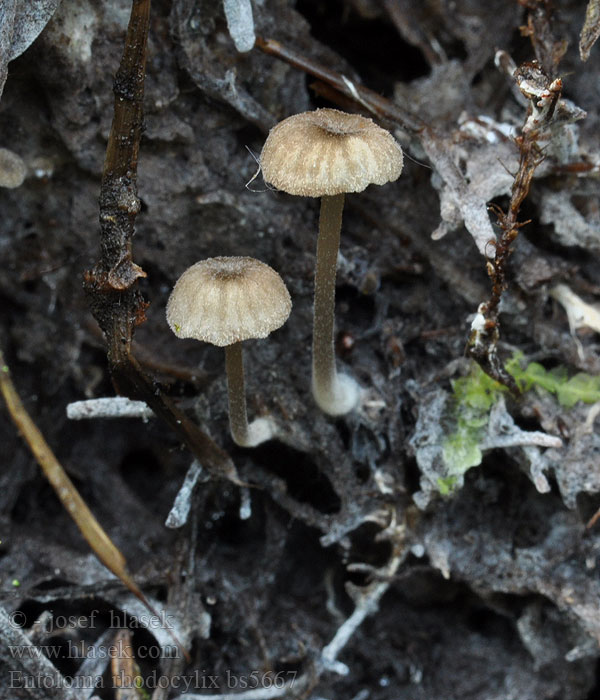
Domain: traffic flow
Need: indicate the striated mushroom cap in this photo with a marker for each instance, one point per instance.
(225, 300)
(327, 152)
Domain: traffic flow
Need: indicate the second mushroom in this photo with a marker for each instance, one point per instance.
(326, 153)
(224, 301)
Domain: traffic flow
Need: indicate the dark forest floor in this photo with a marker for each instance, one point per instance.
(450, 511)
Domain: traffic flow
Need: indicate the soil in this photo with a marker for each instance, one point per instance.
(487, 592)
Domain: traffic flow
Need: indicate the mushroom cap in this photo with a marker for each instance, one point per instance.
(226, 300)
(327, 152)
(12, 169)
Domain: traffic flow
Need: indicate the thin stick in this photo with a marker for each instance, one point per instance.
(369, 99)
(543, 94)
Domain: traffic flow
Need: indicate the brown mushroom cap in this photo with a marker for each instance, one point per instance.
(226, 300)
(327, 152)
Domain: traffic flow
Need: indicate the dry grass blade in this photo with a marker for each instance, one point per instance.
(90, 528)
(127, 681)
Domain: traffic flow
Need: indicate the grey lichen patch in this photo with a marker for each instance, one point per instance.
(240, 23)
(73, 29)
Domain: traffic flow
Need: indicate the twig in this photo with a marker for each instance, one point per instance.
(369, 99)
(111, 286)
(95, 662)
(543, 95)
(124, 670)
(522, 438)
(541, 23)
(367, 605)
(240, 23)
(537, 465)
(579, 313)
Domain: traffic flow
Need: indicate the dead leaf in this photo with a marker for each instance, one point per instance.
(21, 21)
(591, 29)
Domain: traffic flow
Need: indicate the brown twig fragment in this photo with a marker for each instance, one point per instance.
(543, 94)
(370, 100)
(126, 677)
(112, 286)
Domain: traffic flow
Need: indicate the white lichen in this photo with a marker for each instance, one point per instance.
(110, 407)
(240, 23)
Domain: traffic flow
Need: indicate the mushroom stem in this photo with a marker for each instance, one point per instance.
(259, 430)
(335, 394)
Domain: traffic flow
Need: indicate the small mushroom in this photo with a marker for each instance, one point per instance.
(224, 301)
(326, 153)
(12, 169)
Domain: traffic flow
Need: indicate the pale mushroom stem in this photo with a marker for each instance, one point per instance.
(243, 434)
(334, 393)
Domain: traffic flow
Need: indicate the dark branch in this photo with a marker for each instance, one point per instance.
(361, 95)
(111, 287)
(543, 94)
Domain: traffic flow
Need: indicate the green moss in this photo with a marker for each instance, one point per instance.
(477, 391)
(447, 485)
(568, 390)
(474, 396)
(139, 685)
